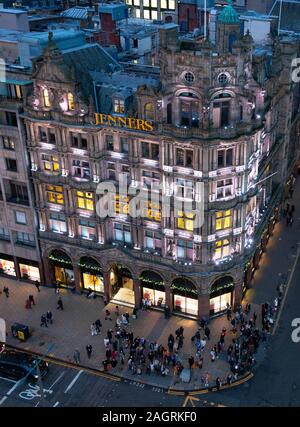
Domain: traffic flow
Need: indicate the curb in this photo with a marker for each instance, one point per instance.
(119, 378)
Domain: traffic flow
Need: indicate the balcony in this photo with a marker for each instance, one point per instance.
(222, 133)
(58, 116)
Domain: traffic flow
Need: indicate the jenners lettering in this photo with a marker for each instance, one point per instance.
(128, 122)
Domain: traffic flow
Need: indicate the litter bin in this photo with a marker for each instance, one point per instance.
(20, 331)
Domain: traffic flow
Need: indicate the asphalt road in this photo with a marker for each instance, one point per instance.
(276, 381)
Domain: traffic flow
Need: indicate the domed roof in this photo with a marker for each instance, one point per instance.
(229, 15)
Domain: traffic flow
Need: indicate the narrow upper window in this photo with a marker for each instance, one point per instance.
(70, 101)
(46, 98)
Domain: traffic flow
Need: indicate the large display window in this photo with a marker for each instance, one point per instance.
(29, 272)
(7, 266)
(185, 296)
(221, 294)
(91, 275)
(62, 269)
(153, 288)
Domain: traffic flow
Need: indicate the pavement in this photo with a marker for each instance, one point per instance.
(71, 327)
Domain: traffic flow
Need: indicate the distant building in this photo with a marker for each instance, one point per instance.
(14, 19)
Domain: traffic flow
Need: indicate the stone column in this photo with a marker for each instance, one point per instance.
(137, 292)
(17, 269)
(107, 287)
(238, 294)
(42, 275)
(48, 273)
(169, 297)
(203, 306)
(77, 276)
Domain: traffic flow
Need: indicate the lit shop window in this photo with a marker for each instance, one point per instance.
(29, 272)
(119, 106)
(46, 98)
(70, 98)
(7, 267)
(57, 223)
(223, 220)
(55, 194)
(153, 211)
(85, 200)
(222, 249)
(185, 220)
(51, 163)
(121, 205)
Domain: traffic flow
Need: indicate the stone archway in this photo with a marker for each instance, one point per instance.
(61, 269)
(121, 284)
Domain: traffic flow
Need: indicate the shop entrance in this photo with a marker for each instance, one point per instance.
(120, 280)
(221, 294)
(62, 269)
(185, 296)
(91, 275)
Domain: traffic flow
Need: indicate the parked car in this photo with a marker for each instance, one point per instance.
(17, 365)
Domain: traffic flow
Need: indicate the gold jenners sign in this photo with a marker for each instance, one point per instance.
(127, 122)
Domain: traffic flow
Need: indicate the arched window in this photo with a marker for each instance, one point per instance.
(153, 288)
(70, 98)
(149, 111)
(185, 296)
(46, 98)
(189, 109)
(221, 110)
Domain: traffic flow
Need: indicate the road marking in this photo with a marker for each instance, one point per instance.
(286, 291)
(3, 400)
(190, 399)
(10, 392)
(73, 381)
(61, 375)
(55, 404)
(8, 379)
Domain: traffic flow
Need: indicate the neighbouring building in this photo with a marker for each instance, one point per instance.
(216, 125)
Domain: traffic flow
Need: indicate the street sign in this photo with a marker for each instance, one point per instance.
(2, 330)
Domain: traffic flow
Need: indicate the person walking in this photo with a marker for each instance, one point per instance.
(60, 305)
(31, 299)
(37, 285)
(49, 317)
(89, 349)
(27, 304)
(76, 356)
(44, 321)
(98, 326)
(107, 315)
(191, 362)
(218, 383)
(207, 332)
(6, 291)
(200, 362)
